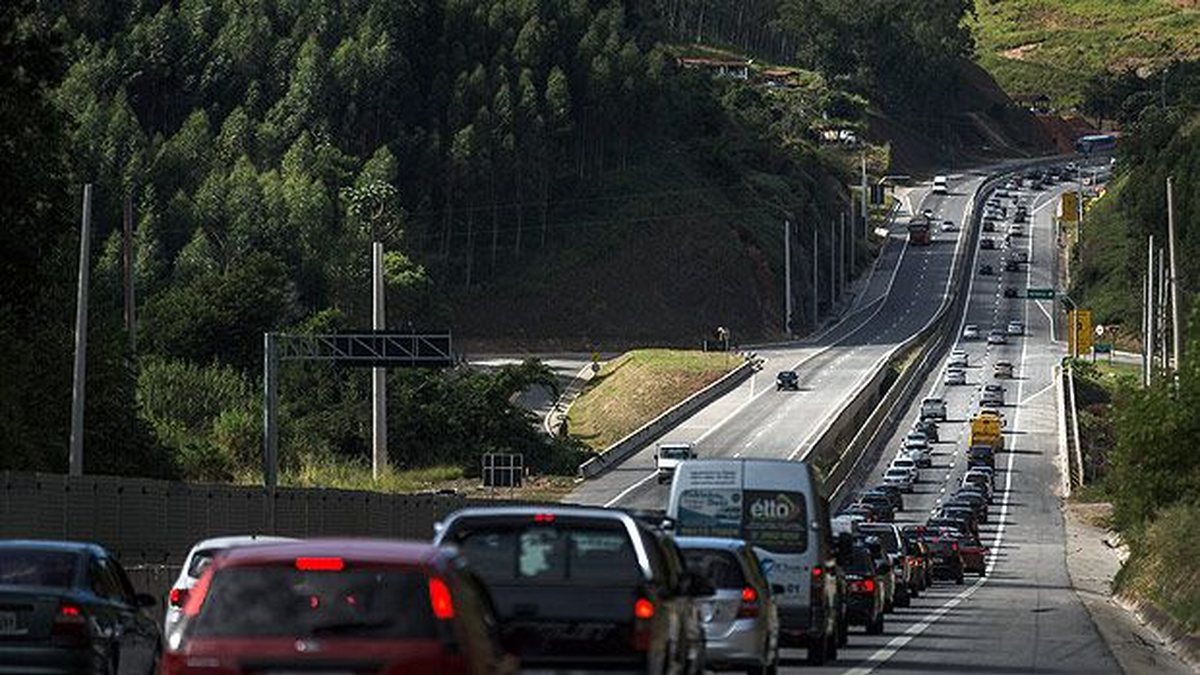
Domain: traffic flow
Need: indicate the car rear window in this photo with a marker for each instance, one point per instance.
(719, 567)
(887, 537)
(550, 552)
(33, 567)
(860, 562)
(367, 603)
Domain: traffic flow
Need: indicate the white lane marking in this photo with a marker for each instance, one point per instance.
(897, 643)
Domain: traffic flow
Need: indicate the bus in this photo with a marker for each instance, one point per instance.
(1087, 145)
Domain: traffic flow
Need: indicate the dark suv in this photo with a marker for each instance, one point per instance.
(582, 588)
(787, 379)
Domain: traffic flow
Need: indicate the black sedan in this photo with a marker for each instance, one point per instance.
(68, 607)
(787, 379)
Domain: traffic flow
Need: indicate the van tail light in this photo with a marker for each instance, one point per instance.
(818, 585)
(178, 597)
(70, 624)
(643, 612)
(748, 609)
(440, 599)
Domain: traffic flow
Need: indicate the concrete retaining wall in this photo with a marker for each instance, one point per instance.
(655, 428)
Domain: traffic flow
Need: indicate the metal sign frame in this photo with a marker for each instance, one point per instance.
(360, 348)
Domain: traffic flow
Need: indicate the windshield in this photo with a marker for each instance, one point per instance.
(675, 452)
(541, 553)
(31, 567)
(283, 601)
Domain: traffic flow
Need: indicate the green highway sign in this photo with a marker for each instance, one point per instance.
(1103, 347)
(1039, 293)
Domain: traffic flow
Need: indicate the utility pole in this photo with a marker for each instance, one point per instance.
(1160, 314)
(127, 256)
(379, 456)
(865, 217)
(844, 251)
(78, 389)
(1173, 279)
(816, 315)
(833, 289)
(1148, 316)
(787, 275)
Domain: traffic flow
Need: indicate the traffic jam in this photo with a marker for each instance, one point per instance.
(745, 561)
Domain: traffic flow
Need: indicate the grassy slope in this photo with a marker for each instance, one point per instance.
(1068, 40)
(636, 387)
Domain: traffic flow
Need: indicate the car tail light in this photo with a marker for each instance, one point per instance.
(543, 518)
(70, 624)
(954, 546)
(178, 597)
(748, 609)
(643, 637)
(440, 599)
(862, 586)
(195, 599)
(324, 564)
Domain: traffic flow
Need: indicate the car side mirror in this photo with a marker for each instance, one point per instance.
(144, 600)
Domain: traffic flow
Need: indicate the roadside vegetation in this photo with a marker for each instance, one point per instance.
(636, 387)
(1063, 48)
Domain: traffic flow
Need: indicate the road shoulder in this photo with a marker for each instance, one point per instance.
(1093, 560)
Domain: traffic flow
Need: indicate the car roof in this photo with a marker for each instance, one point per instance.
(79, 547)
(732, 545)
(233, 541)
(380, 551)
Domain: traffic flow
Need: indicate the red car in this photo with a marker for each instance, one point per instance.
(337, 606)
(974, 554)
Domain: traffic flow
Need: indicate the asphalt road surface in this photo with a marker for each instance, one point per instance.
(1023, 616)
(904, 293)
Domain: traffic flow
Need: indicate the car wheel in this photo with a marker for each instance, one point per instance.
(875, 627)
(915, 590)
(959, 579)
(818, 651)
(843, 632)
(831, 652)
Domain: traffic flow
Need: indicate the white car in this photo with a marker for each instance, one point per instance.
(993, 395)
(901, 478)
(1016, 328)
(917, 453)
(905, 464)
(997, 337)
(955, 376)
(958, 358)
(933, 407)
(949, 226)
(970, 332)
(669, 456)
(198, 560)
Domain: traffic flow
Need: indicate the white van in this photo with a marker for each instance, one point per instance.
(777, 506)
(940, 186)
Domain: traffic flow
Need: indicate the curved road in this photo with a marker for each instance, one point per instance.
(902, 296)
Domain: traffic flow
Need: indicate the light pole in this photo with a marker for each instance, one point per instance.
(787, 273)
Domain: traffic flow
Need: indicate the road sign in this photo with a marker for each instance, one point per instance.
(1079, 331)
(1100, 330)
(1103, 347)
(1039, 293)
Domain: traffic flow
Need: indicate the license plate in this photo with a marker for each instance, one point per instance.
(8, 624)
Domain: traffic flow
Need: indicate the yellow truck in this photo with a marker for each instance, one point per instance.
(986, 430)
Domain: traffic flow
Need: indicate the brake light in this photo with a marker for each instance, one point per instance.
(749, 607)
(178, 597)
(320, 564)
(954, 546)
(816, 572)
(440, 599)
(643, 609)
(70, 624)
(863, 586)
(546, 518)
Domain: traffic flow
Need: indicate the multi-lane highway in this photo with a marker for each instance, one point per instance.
(902, 296)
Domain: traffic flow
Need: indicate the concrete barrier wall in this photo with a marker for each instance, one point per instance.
(155, 522)
(655, 428)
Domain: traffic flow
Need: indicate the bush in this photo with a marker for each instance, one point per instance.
(1162, 564)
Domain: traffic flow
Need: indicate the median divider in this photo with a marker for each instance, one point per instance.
(673, 416)
(879, 406)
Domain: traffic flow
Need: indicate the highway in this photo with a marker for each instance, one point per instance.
(1024, 616)
(903, 294)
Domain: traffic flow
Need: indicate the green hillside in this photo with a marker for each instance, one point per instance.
(1054, 47)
